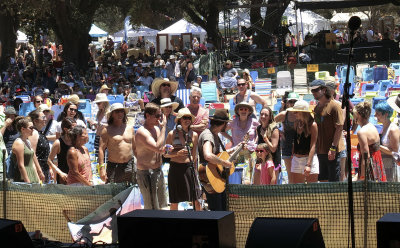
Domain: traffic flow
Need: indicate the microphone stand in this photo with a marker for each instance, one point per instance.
(4, 185)
(345, 104)
(191, 169)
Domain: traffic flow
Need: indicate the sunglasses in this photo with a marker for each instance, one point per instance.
(187, 118)
(260, 150)
(243, 109)
(292, 101)
(119, 111)
(38, 101)
(170, 107)
(241, 85)
(165, 85)
(73, 110)
(315, 90)
(31, 127)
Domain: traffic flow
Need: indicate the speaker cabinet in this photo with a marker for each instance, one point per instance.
(388, 231)
(158, 228)
(285, 232)
(13, 234)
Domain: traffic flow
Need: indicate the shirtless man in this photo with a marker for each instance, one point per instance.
(150, 146)
(119, 139)
(243, 95)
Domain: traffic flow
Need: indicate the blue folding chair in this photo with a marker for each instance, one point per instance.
(157, 72)
(183, 94)
(369, 88)
(341, 88)
(254, 75)
(343, 73)
(90, 144)
(164, 73)
(383, 85)
(85, 107)
(368, 74)
(25, 108)
(115, 98)
(356, 101)
(376, 100)
(209, 91)
(380, 73)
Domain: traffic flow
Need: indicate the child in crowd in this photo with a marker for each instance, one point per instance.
(264, 173)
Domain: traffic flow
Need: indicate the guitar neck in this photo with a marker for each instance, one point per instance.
(235, 153)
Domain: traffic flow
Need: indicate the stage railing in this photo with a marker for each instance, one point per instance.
(325, 201)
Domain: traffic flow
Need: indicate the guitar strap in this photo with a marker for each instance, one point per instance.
(220, 143)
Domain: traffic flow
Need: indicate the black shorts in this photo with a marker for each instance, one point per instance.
(329, 169)
(121, 172)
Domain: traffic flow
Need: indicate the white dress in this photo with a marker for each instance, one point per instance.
(391, 168)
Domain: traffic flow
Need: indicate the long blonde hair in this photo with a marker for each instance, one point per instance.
(306, 126)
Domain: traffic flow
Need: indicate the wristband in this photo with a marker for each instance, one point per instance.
(332, 149)
(102, 165)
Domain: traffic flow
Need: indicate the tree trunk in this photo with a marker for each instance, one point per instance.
(8, 37)
(264, 28)
(73, 33)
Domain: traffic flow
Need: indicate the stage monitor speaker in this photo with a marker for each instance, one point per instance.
(388, 231)
(161, 228)
(13, 234)
(285, 232)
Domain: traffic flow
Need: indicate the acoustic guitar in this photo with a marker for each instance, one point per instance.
(213, 177)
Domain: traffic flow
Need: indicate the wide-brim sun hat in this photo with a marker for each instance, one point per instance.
(155, 86)
(172, 57)
(184, 112)
(116, 106)
(244, 105)
(101, 97)
(220, 115)
(246, 71)
(45, 107)
(74, 98)
(394, 103)
(301, 106)
(104, 87)
(165, 102)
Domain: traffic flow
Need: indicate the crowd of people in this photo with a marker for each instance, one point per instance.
(309, 141)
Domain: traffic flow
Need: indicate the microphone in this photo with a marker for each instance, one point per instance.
(179, 127)
(185, 135)
(354, 23)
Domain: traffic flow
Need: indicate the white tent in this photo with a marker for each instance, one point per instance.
(97, 32)
(21, 37)
(183, 30)
(135, 32)
(344, 17)
(309, 22)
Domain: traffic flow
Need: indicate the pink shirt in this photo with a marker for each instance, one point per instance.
(265, 177)
(84, 167)
(238, 133)
(202, 113)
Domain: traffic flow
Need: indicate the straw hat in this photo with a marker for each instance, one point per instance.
(246, 71)
(116, 106)
(155, 86)
(220, 115)
(301, 106)
(101, 97)
(74, 98)
(104, 87)
(394, 102)
(172, 57)
(228, 62)
(165, 102)
(44, 107)
(184, 112)
(245, 105)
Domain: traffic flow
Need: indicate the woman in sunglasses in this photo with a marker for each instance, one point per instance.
(287, 119)
(180, 177)
(305, 166)
(70, 110)
(23, 156)
(264, 173)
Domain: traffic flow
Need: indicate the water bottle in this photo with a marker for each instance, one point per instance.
(139, 95)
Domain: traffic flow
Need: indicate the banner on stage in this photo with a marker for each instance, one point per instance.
(312, 68)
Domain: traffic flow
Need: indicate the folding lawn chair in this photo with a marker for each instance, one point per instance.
(209, 91)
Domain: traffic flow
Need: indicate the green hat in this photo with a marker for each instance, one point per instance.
(293, 96)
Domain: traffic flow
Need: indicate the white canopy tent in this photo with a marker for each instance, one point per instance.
(21, 37)
(344, 17)
(135, 32)
(169, 37)
(97, 32)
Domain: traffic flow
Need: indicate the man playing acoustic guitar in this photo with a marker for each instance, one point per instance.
(209, 146)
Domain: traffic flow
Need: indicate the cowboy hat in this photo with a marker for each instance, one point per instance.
(301, 106)
(246, 105)
(172, 57)
(165, 102)
(155, 86)
(116, 106)
(184, 112)
(394, 103)
(74, 98)
(44, 107)
(220, 115)
(101, 97)
(104, 87)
